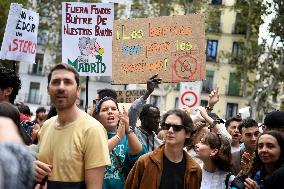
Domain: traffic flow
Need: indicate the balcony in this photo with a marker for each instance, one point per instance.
(34, 70)
(234, 91)
(235, 60)
(213, 28)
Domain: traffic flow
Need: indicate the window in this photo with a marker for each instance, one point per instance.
(155, 100)
(240, 23)
(232, 110)
(33, 96)
(213, 23)
(207, 85)
(204, 103)
(211, 51)
(216, 2)
(42, 37)
(236, 57)
(38, 66)
(236, 51)
(234, 85)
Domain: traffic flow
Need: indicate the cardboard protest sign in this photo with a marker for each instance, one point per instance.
(173, 46)
(20, 37)
(129, 96)
(87, 30)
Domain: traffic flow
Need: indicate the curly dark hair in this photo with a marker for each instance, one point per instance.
(257, 164)
(99, 105)
(8, 78)
(107, 92)
(223, 158)
(145, 110)
(186, 121)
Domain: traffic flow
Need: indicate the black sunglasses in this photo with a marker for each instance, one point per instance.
(167, 126)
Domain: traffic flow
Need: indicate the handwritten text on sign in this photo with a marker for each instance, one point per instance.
(129, 96)
(87, 30)
(174, 47)
(20, 38)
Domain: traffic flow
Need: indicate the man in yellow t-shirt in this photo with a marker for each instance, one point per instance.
(73, 148)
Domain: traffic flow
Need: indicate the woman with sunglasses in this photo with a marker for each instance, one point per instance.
(124, 146)
(168, 166)
(268, 165)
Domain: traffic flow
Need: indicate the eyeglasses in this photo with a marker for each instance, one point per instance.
(249, 135)
(177, 128)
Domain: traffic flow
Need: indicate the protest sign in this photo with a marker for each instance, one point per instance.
(173, 46)
(87, 30)
(129, 96)
(190, 94)
(20, 37)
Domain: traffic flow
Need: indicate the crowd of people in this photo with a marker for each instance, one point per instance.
(106, 148)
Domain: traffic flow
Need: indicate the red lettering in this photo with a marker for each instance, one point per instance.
(27, 47)
(67, 6)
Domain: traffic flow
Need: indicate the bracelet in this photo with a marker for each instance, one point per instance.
(129, 132)
(208, 108)
(117, 137)
(215, 122)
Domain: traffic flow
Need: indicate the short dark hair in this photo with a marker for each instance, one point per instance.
(186, 121)
(40, 109)
(10, 111)
(223, 158)
(8, 78)
(64, 67)
(274, 120)
(145, 110)
(24, 109)
(247, 123)
(52, 112)
(107, 92)
(235, 118)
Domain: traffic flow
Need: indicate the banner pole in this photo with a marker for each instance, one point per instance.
(87, 90)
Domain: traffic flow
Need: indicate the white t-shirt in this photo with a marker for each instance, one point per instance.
(215, 180)
(235, 149)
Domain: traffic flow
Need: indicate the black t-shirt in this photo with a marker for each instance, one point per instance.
(173, 174)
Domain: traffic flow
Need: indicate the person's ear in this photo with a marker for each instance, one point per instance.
(78, 91)
(214, 152)
(8, 91)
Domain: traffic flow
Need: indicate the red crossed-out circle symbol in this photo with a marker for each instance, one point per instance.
(189, 99)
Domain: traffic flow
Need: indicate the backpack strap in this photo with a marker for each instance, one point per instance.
(227, 179)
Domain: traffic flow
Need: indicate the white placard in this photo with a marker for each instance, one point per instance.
(87, 30)
(245, 113)
(190, 94)
(20, 37)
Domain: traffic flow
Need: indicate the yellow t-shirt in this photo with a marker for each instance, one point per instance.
(72, 149)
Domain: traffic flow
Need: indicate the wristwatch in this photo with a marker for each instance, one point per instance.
(215, 122)
(208, 108)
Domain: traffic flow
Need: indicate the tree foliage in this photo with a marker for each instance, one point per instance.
(270, 66)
